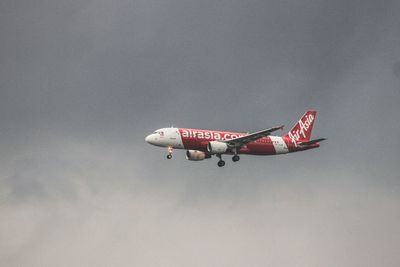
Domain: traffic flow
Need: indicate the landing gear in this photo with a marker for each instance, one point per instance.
(235, 158)
(170, 149)
(220, 163)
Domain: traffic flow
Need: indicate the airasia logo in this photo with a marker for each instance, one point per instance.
(209, 135)
(301, 130)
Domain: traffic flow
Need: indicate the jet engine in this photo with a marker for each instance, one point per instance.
(216, 147)
(196, 155)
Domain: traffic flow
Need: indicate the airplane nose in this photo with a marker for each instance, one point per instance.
(147, 139)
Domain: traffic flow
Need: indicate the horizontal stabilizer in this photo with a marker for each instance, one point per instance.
(308, 143)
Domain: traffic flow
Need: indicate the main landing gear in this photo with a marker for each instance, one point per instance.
(235, 158)
(170, 149)
(220, 163)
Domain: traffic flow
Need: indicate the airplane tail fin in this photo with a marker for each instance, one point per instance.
(301, 131)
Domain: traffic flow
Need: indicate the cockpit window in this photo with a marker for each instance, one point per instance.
(161, 133)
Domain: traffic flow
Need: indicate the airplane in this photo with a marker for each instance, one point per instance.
(203, 144)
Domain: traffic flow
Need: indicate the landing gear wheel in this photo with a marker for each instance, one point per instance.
(235, 158)
(221, 163)
(170, 149)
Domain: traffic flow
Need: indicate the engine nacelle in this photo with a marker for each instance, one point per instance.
(216, 147)
(196, 155)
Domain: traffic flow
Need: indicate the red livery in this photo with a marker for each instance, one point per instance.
(202, 144)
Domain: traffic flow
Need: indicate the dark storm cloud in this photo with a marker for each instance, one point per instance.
(396, 69)
(82, 83)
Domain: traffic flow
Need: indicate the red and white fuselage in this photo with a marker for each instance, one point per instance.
(202, 144)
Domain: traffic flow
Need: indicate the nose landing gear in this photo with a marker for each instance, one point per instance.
(170, 149)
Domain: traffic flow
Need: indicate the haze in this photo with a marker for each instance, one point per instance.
(83, 82)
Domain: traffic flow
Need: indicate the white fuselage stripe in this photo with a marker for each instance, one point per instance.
(279, 145)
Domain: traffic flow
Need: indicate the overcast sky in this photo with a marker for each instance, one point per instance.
(82, 82)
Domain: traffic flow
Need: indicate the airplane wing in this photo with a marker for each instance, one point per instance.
(240, 141)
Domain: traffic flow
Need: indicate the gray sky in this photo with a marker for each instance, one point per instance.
(82, 82)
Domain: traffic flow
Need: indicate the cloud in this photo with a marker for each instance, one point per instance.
(82, 83)
(84, 209)
(396, 69)
(283, 227)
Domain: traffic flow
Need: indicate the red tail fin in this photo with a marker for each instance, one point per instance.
(301, 131)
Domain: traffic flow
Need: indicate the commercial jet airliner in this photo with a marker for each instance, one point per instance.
(202, 144)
